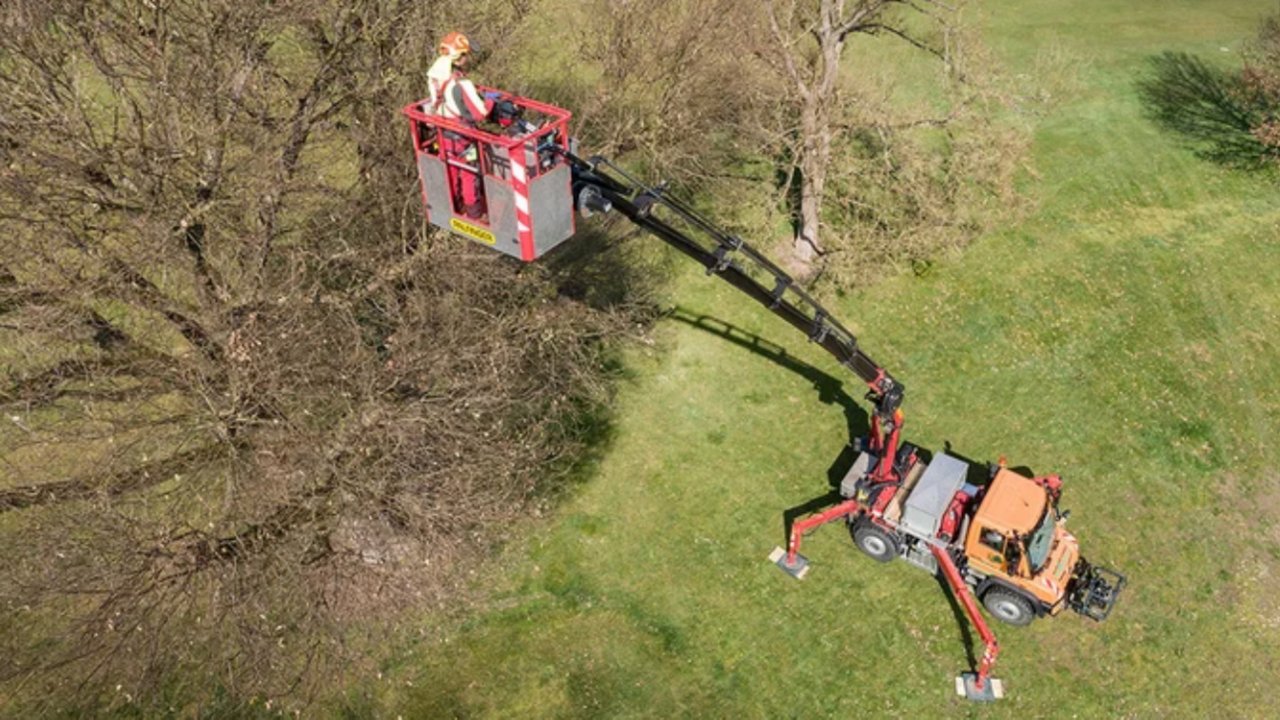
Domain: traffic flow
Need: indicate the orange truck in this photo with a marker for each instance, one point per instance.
(999, 537)
(1017, 555)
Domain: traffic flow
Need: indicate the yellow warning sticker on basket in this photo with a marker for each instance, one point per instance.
(472, 231)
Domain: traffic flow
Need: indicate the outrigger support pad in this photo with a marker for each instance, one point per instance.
(967, 687)
(797, 569)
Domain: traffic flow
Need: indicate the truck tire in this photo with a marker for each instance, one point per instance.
(1008, 606)
(874, 541)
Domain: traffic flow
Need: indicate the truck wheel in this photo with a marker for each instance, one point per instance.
(1008, 606)
(873, 541)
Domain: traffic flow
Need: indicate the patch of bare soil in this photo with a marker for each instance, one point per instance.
(1253, 525)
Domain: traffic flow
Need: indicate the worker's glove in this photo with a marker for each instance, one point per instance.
(493, 96)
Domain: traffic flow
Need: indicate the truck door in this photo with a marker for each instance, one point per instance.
(989, 553)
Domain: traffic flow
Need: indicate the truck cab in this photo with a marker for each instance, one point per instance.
(1016, 545)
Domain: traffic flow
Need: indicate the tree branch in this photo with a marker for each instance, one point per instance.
(117, 483)
(785, 50)
(876, 27)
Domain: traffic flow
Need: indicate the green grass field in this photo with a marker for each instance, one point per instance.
(1123, 334)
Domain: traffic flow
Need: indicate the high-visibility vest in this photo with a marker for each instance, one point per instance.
(462, 102)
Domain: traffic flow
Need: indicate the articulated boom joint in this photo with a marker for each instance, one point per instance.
(886, 395)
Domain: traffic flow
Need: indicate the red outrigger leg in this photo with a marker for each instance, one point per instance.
(884, 444)
(983, 686)
(848, 507)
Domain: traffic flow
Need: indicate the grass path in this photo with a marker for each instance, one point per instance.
(1123, 335)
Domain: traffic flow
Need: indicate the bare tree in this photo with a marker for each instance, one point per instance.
(806, 48)
(669, 88)
(249, 402)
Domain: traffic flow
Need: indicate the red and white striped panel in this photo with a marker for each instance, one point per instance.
(520, 189)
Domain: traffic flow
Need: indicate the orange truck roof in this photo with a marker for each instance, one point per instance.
(1013, 501)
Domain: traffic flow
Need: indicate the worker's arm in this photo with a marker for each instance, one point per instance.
(478, 107)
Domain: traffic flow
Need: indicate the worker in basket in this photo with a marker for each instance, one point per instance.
(454, 97)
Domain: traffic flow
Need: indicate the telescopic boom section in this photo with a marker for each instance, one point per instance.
(738, 264)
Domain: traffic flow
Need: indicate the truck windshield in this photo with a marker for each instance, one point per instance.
(1040, 542)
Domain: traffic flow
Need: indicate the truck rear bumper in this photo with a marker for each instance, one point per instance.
(1094, 590)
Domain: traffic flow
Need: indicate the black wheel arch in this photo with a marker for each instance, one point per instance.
(1037, 606)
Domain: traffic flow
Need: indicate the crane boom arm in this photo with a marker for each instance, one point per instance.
(598, 189)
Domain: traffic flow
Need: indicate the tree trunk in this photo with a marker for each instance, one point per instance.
(813, 180)
(816, 137)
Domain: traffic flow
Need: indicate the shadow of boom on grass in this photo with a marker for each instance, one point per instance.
(830, 390)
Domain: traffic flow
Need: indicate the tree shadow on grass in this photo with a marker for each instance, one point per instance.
(1213, 109)
(600, 269)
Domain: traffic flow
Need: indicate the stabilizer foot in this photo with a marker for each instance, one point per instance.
(967, 687)
(797, 570)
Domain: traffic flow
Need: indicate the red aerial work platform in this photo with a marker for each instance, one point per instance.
(526, 178)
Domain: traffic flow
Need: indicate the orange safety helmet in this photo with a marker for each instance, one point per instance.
(455, 45)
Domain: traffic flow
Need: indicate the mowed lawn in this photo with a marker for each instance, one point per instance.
(1123, 335)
